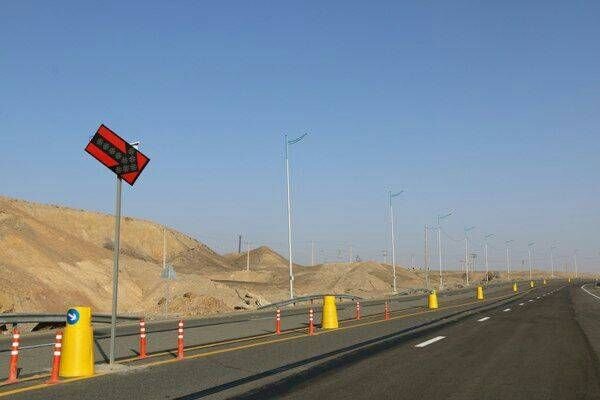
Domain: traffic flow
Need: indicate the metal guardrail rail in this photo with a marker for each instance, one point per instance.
(304, 299)
(24, 318)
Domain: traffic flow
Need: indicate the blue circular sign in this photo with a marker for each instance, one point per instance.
(72, 316)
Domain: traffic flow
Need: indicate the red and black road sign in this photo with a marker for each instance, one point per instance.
(117, 155)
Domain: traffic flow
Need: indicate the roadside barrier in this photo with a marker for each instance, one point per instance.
(180, 341)
(13, 369)
(432, 300)
(56, 359)
(480, 295)
(515, 287)
(386, 311)
(311, 324)
(143, 340)
(357, 310)
(531, 284)
(330, 317)
(278, 321)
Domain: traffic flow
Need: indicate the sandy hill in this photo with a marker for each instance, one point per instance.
(52, 257)
(261, 258)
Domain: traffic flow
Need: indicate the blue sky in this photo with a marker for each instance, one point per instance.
(488, 109)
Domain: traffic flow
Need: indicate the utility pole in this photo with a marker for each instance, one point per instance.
(470, 228)
(487, 267)
(247, 256)
(427, 256)
(288, 143)
(439, 229)
(384, 253)
(239, 244)
(164, 247)
(391, 196)
(312, 253)
(508, 242)
(575, 264)
(552, 260)
(412, 261)
(350, 254)
(530, 253)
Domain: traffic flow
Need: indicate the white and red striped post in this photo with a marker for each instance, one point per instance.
(143, 340)
(13, 369)
(311, 322)
(180, 341)
(386, 311)
(278, 321)
(56, 359)
(357, 309)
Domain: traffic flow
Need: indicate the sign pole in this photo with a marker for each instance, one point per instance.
(115, 293)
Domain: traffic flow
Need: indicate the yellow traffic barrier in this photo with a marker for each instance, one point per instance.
(531, 284)
(480, 295)
(330, 318)
(432, 301)
(515, 287)
(77, 357)
(569, 280)
(544, 283)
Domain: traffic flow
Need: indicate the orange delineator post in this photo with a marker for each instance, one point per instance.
(358, 310)
(386, 314)
(311, 323)
(143, 342)
(13, 369)
(180, 341)
(56, 359)
(278, 322)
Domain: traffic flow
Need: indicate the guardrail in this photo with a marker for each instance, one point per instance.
(23, 318)
(304, 299)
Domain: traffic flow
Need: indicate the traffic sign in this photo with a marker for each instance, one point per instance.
(117, 154)
(72, 316)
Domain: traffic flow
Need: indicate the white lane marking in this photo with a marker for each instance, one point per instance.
(530, 300)
(539, 297)
(521, 304)
(483, 319)
(430, 341)
(506, 310)
(591, 294)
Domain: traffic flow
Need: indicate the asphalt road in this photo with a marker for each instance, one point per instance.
(36, 349)
(543, 349)
(373, 358)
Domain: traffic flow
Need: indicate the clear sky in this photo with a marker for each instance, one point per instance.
(487, 108)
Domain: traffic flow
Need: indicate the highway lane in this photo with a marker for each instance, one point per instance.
(236, 368)
(36, 353)
(539, 350)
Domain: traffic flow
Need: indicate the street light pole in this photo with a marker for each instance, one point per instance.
(439, 229)
(288, 143)
(487, 267)
(531, 244)
(552, 260)
(508, 242)
(391, 196)
(467, 253)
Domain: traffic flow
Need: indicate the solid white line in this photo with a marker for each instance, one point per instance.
(483, 319)
(506, 310)
(430, 341)
(521, 304)
(591, 294)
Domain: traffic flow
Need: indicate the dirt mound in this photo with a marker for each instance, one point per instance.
(261, 258)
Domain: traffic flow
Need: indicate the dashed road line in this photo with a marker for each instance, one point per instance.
(430, 341)
(483, 319)
(506, 310)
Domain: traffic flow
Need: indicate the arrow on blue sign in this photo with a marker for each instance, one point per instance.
(72, 316)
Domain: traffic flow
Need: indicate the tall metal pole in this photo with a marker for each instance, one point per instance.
(391, 196)
(164, 269)
(487, 267)
(575, 264)
(116, 250)
(439, 232)
(508, 242)
(289, 207)
(312, 252)
(530, 253)
(427, 256)
(247, 256)
(467, 253)
(552, 261)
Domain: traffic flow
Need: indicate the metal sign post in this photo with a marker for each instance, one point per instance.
(115, 277)
(127, 163)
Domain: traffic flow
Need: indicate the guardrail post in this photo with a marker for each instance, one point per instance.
(143, 342)
(180, 341)
(56, 359)
(13, 369)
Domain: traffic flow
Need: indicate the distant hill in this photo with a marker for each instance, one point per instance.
(261, 258)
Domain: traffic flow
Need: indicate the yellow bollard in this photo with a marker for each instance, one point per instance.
(432, 301)
(515, 287)
(569, 280)
(480, 295)
(330, 318)
(531, 284)
(544, 283)
(77, 358)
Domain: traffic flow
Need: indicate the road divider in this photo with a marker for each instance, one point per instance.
(386, 311)
(13, 368)
(278, 321)
(432, 300)
(311, 325)
(55, 370)
(330, 317)
(143, 340)
(357, 315)
(180, 341)
(480, 294)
